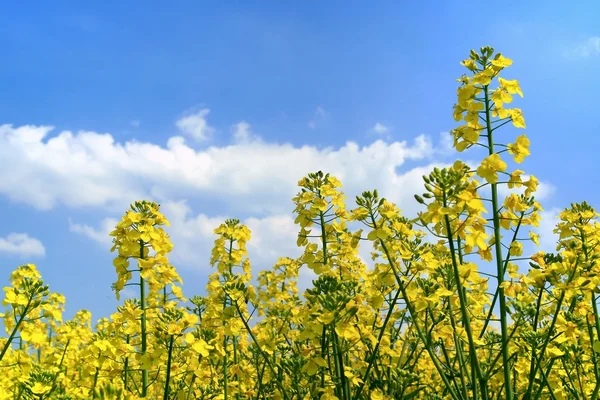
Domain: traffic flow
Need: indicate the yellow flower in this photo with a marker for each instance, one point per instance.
(476, 237)
(535, 238)
(519, 149)
(515, 179)
(465, 269)
(554, 351)
(511, 87)
(312, 366)
(500, 112)
(513, 270)
(40, 388)
(376, 394)
(484, 77)
(516, 249)
(490, 167)
(466, 94)
(470, 64)
(202, 348)
(501, 62)
(517, 117)
(531, 185)
(500, 97)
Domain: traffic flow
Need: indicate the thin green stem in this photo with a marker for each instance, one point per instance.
(499, 266)
(413, 314)
(16, 328)
(475, 367)
(143, 325)
(168, 377)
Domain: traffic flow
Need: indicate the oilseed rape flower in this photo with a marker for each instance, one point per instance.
(424, 320)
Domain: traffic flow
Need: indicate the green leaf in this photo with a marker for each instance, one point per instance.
(597, 346)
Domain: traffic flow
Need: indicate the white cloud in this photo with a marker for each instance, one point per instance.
(192, 235)
(319, 116)
(273, 236)
(590, 47)
(99, 235)
(544, 190)
(446, 144)
(242, 133)
(195, 125)
(380, 128)
(21, 244)
(548, 239)
(89, 169)
(250, 177)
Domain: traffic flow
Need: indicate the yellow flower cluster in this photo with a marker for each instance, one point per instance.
(443, 312)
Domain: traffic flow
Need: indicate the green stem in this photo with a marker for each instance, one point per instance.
(337, 368)
(551, 363)
(595, 307)
(235, 362)
(126, 368)
(376, 349)
(260, 350)
(548, 338)
(499, 266)
(475, 367)
(535, 324)
(413, 314)
(506, 260)
(16, 328)
(143, 325)
(62, 359)
(596, 319)
(189, 392)
(225, 372)
(95, 382)
(459, 349)
(168, 378)
(324, 347)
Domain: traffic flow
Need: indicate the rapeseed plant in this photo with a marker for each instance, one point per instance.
(420, 324)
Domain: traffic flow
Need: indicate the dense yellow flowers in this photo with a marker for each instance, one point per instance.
(446, 311)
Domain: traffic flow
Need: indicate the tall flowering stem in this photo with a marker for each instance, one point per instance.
(139, 231)
(483, 116)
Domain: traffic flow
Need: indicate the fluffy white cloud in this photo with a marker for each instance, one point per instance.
(91, 169)
(272, 237)
(99, 235)
(242, 133)
(548, 239)
(195, 125)
(380, 128)
(21, 244)
(590, 47)
(192, 234)
(248, 178)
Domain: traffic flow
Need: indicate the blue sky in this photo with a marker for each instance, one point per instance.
(256, 94)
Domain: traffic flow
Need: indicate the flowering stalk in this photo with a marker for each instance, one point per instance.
(143, 333)
(498, 247)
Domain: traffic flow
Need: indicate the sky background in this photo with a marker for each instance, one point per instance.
(217, 109)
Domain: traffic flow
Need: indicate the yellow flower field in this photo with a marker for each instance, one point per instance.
(421, 323)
